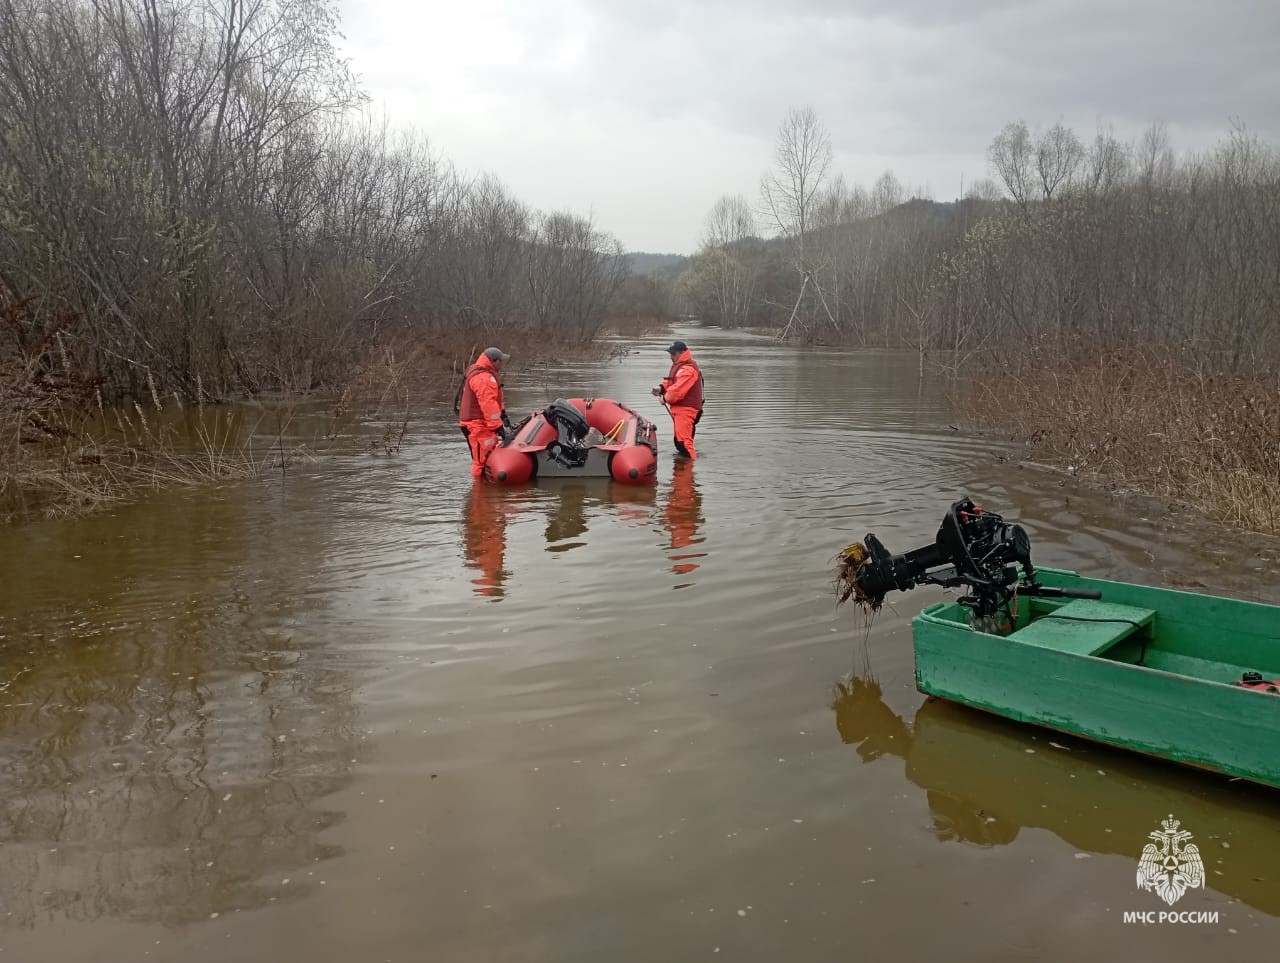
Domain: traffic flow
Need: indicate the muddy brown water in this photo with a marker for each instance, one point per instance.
(374, 711)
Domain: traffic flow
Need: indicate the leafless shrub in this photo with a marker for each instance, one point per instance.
(199, 184)
(1148, 418)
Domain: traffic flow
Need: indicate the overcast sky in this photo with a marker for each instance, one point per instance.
(642, 114)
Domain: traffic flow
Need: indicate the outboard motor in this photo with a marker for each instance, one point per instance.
(974, 549)
(572, 428)
(568, 419)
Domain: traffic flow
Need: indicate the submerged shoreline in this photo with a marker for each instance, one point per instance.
(69, 453)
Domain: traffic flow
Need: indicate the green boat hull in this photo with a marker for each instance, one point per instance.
(1147, 669)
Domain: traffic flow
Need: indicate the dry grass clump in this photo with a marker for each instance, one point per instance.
(1148, 419)
(847, 584)
(64, 457)
(62, 450)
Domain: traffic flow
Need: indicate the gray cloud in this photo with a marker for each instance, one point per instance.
(920, 86)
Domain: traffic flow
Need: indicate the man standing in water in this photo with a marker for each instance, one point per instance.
(481, 410)
(681, 392)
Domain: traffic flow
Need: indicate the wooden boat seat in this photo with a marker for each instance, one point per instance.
(1084, 626)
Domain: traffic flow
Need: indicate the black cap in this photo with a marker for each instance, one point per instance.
(677, 347)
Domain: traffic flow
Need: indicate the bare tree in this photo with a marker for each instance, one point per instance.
(984, 189)
(731, 257)
(481, 272)
(572, 271)
(1012, 157)
(790, 191)
(729, 221)
(192, 196)
(1117, 244)
(1106, 164)
(887, 193)
(1154, 156)
(1058, 158)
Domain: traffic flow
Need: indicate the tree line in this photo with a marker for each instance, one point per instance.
(1099, 242)
(195, 198)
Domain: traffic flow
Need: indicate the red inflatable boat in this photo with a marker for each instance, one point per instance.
(578, 438)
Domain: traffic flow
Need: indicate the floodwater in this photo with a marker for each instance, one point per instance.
(371, 710)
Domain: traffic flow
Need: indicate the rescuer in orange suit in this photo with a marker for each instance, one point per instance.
(681, 392)
(482, 414)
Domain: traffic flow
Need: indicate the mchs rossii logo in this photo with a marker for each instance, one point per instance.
(1169, 866)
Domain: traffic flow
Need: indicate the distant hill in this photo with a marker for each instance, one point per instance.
(915, 218)
(642, 263)
(914, 215)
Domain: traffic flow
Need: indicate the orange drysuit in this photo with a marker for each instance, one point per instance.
(681, 390)
(480, 411)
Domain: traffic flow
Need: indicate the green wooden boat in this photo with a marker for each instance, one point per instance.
(1180, 676)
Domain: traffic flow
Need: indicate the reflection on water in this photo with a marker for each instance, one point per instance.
(484, 535)
(165, 746)
(567, 518)
(986, 779)
(570, 506)
(684, 519)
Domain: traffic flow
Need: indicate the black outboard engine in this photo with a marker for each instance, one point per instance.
(975, 549)
(573, 428)
(568, 419)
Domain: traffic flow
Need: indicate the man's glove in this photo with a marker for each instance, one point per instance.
(507, 430)
(657, 392)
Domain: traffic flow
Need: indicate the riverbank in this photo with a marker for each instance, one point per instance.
(1146, 420)
(65, 451)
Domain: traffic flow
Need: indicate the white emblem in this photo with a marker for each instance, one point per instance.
(1170, 868)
